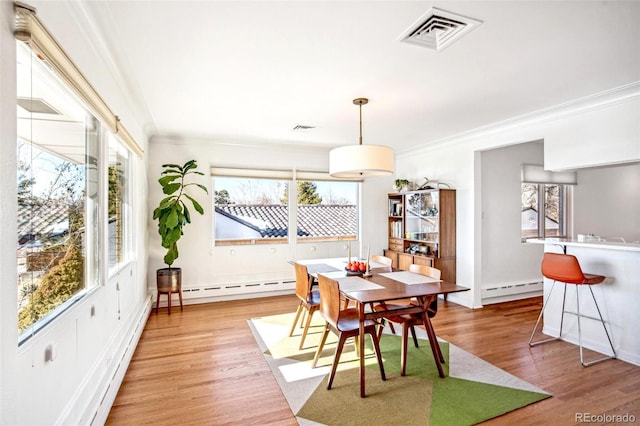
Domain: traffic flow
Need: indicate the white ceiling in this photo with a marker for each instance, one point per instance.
(242, 71)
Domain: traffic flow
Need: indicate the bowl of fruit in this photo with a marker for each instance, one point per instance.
(356, 268)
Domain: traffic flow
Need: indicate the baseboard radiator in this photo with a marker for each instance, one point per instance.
(234, 290)
(511, 291)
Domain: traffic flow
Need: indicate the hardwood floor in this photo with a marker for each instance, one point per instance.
(202, 366)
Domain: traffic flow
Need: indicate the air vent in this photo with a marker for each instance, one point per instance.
(36, 105)
(437, 29)
(303, 127)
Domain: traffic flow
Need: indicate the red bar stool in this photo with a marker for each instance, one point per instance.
(566, 269)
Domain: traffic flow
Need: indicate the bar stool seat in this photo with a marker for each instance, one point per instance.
(565, 268)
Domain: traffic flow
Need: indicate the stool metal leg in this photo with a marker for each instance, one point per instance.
(564, 299)
(531, 342)
(586, 364)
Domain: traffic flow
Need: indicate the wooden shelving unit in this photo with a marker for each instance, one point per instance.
(422, 230)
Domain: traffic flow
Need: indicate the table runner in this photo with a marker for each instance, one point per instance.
(409, 278)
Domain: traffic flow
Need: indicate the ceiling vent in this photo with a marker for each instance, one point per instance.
(35, 105)
(437, 29)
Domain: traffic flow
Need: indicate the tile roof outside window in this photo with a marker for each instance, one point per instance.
(315, 220)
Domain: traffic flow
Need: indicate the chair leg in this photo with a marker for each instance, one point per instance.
(336, 359)
(413, 334)
(323, 339)
(355, 343)
(306, 327)
(531, 342)
(380, 327)
(393, 330)
(376, 345)
(586, 364)
(403, 349)
(295, 321)
(304, 315)
(564, 299)
(602, 321)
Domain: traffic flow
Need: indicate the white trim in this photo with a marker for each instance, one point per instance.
(613, 96)
(32, 32)
(252, 173)
(531, 173)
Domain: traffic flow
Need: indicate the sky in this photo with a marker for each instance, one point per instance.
(244, 191)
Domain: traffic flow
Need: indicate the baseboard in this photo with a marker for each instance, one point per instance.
(98, 413)
(511, 291)
(231, 291)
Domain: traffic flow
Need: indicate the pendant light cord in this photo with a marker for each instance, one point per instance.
(360, 124)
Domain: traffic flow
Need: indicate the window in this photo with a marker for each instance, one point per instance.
(118, 201)
(327, 211)
(57, 148)
(63, 178)
(543, 216)
(253, 206)
(250, 211)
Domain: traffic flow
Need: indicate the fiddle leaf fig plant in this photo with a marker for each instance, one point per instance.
(172, 213)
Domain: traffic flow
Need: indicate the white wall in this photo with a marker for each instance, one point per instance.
(90, 351)
(457, 161)
(205, 265)
(607, 202)
(597, 136)
(505, 259)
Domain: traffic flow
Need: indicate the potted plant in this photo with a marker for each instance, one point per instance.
(401, 185)
(172, 215)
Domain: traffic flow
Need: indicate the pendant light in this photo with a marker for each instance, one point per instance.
(360, 161)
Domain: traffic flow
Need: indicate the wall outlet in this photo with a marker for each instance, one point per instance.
(49, 354)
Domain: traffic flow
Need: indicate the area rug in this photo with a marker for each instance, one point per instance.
(472, 392)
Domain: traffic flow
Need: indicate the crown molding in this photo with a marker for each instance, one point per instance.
(617, 95)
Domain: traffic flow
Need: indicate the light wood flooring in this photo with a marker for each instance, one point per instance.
(202, 366)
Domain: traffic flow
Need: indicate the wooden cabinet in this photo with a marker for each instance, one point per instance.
(422, 230)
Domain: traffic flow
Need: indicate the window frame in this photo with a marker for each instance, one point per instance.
(563, 210)
(253, 175)
(292, 177)
(54, 65)
(126, 207)
(326, 238)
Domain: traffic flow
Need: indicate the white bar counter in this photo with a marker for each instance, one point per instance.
(618, 297)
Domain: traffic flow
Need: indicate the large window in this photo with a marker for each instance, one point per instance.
(58, 151)
(327, 210)
(118, 201)
(543, 210)
(255, 211)
(72, 154)
(250, 211)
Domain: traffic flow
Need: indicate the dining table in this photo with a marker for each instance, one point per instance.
(385, 286)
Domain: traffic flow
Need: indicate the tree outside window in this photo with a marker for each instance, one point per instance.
(543, 216)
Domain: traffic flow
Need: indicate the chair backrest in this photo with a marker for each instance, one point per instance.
(382, 259)
(562, 267)
(425, 270)
(329, 299)
(303, 284)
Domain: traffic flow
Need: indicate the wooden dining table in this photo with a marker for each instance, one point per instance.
(386, 287)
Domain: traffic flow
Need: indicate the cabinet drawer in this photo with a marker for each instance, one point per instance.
(423, 260)
(395, 246)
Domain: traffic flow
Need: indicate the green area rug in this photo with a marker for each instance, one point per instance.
(472, 392)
